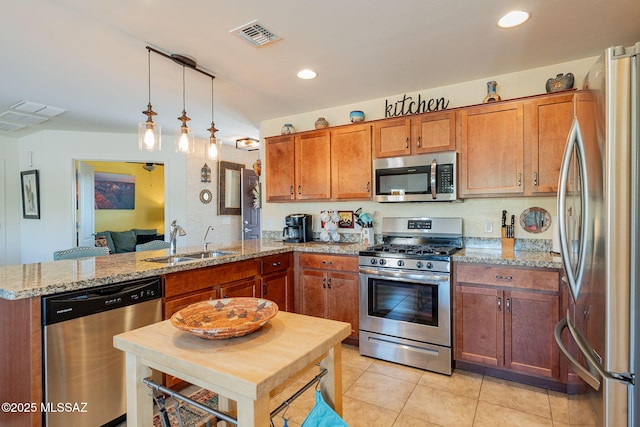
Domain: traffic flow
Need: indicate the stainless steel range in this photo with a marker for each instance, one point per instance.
(405, 292)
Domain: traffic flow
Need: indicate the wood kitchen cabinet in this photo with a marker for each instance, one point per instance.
(492, 149)
(351, 162)
(547, 123)
(277, 280)
(319, 165)
(423, 133)
(298, 167)
(514, 148)
(327, 287)
(505, 317)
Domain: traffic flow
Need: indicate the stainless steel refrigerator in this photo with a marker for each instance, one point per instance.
(598, 224)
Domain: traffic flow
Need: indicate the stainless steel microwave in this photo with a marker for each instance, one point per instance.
(420, 178)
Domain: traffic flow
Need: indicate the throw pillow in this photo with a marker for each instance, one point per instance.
(107, 235)
(124, 241)
(101, 242)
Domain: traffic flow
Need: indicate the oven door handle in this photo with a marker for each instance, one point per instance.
(402, 275)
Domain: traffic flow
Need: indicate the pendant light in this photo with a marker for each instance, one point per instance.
(149, 136)
(184, 140)
(211, 149)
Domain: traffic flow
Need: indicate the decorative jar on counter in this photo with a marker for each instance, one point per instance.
(287, 129)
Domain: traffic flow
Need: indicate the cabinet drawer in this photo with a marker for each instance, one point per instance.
(192, 280)
(509, 277)
(273, 263)
(329, 262)
(176, 304)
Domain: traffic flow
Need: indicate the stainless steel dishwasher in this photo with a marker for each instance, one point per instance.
(81, 366)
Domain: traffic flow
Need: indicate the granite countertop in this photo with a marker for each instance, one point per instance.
(52, 277)
(519, 258)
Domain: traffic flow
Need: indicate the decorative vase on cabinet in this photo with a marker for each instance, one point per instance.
(492, 92)
(287, 129)
(321, 123)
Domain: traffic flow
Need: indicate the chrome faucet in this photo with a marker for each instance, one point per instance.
(204, 240)
(174, 231)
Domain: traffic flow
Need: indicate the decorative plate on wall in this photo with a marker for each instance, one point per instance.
(224, 318)
(206, 196)
(535, 220)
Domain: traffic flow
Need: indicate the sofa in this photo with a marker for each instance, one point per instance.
(125, 241)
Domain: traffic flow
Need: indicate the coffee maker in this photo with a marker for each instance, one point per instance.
(298, 228)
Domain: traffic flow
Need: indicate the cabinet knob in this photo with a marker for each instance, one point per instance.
(500, 277)
(519, 179)
(406, 143)
(299, 188)
(275, 264)
(508, 305)
(264, 289)
(499, 304)
(329, 283)
(418, 142)
(368, 186)
(327, 262)
(535, 179)
(291, 190)
(324, 283)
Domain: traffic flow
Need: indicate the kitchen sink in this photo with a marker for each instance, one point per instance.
(176, 259)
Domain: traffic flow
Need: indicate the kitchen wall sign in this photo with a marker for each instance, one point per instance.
(407, 105)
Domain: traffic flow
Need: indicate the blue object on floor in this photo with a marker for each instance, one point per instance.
(322, 415)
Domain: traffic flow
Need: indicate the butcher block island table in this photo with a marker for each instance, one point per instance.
(244, 370)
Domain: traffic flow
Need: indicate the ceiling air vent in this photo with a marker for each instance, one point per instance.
(26, 119)
(9, 127)
(255, 33)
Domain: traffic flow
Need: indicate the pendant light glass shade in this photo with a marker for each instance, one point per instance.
(184, 139)
(149, 136)
(211, 149)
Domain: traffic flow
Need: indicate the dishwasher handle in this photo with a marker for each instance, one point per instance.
(71, 305)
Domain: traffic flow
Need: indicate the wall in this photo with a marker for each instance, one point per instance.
(148, 210)
(473, 211)
(227, 228)
(10, 202)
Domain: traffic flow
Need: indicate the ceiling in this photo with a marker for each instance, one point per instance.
(89, 57)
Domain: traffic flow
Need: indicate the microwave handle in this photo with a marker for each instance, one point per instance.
(434, 194)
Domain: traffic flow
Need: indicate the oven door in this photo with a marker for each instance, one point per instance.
(413, 306)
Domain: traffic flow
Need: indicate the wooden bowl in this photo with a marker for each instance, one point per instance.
(224, 318)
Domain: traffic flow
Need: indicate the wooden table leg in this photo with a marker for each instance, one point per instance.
(139, 400)
(253, 413)
(331, 383)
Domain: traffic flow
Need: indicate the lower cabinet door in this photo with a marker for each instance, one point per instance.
(277, 287)
(245, 288)
(479, 325)
(529, 322)
(343, 294)
(314, 293)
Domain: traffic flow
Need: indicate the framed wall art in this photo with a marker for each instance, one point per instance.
(30, 194)
(346, 219)
(115, 191)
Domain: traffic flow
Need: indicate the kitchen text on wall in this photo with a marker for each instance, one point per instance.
(407, 105)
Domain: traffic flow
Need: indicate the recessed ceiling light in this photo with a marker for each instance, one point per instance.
(513, 18)
(307, 74)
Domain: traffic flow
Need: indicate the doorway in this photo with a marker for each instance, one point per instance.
(145, 211)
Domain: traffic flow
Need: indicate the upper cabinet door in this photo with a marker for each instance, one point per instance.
(550, 121)
(491, 138)
(434, 132)
(313, 165)
(392, 137)
(279, 168)
(351, 162)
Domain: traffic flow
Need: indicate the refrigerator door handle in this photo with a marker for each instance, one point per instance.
(574, 278)
(580, 370)
(586, 375)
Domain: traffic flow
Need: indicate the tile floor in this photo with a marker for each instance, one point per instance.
(383, 394)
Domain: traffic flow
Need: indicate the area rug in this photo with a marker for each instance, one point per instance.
(191, 416)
